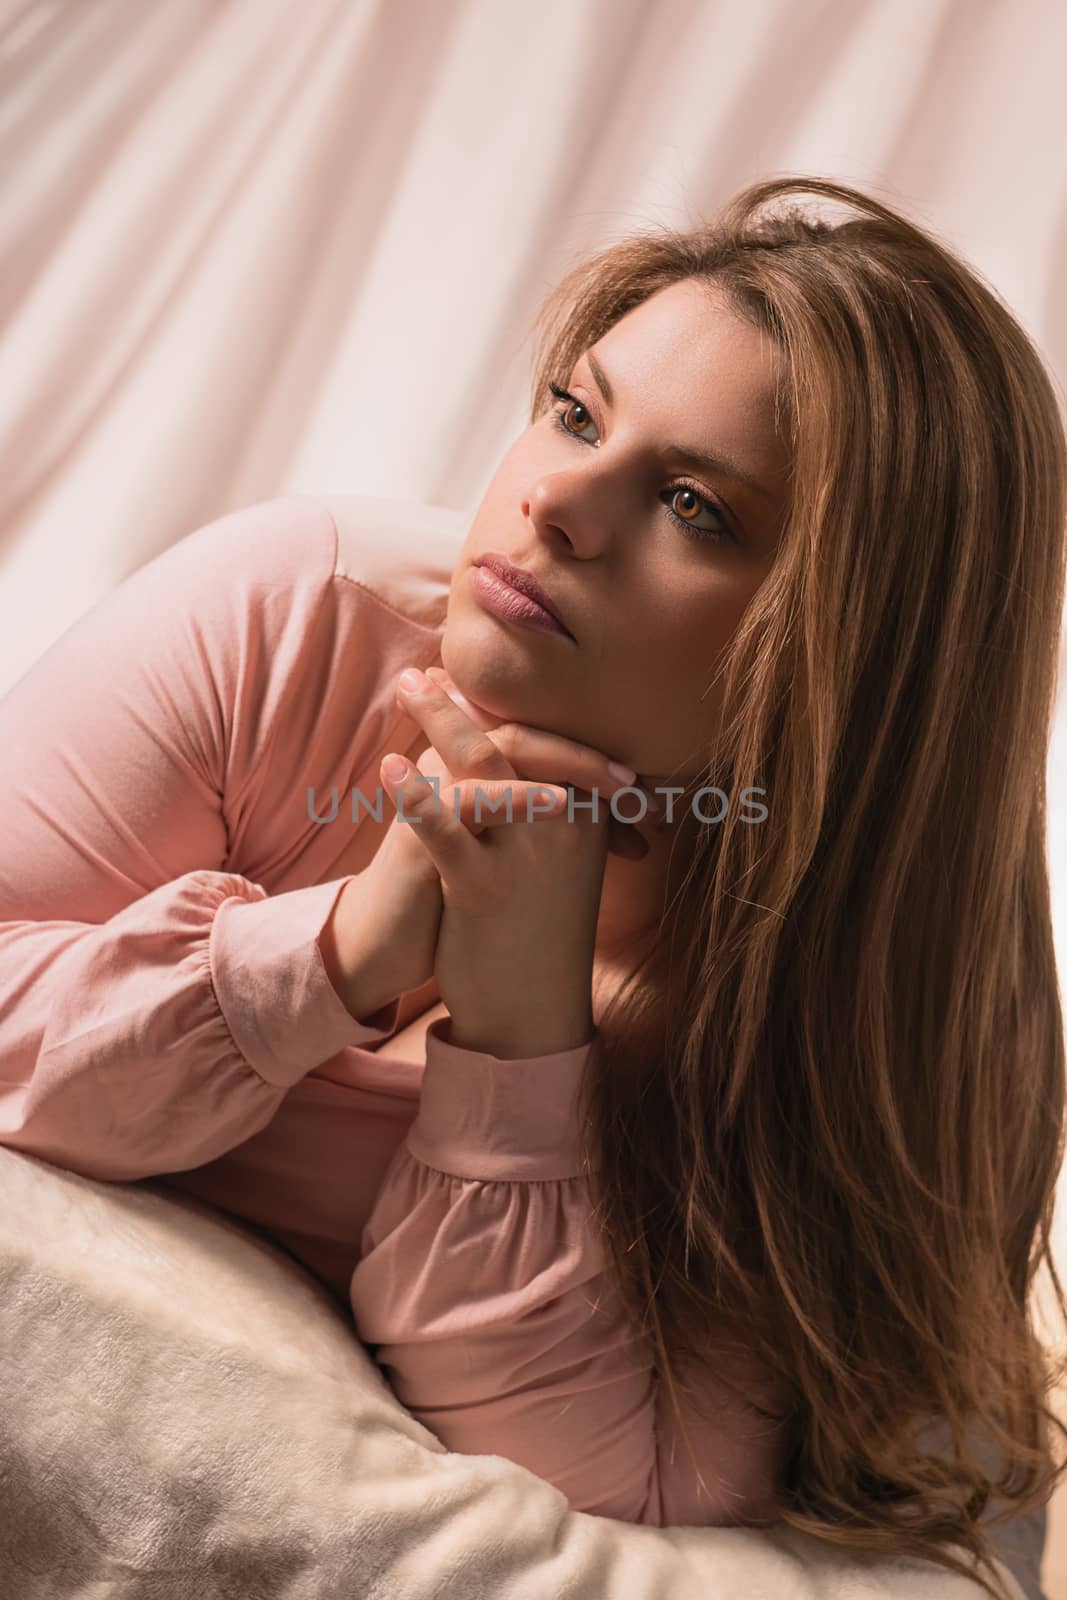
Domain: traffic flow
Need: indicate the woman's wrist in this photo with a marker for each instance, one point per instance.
(514, 1040)
(362, 984)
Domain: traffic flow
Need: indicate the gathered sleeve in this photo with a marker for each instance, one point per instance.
(482, 1285)
(155, 1002)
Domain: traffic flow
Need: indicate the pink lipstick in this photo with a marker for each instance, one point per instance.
(498, 596)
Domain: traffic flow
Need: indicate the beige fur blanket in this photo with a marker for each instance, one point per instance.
(186, 1413)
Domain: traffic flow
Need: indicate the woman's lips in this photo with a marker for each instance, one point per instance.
(503, 601)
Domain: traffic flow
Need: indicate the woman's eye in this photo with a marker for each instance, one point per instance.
(694, 530)
(571, 407)
(571, 404)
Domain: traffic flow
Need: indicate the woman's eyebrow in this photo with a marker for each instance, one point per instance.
(720, 466)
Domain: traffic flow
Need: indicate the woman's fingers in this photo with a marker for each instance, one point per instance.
(473, 802)
(429, 806)
(475, 755)
(535, 750)
(559, 760)
(460, 734)
(478, 714)
(420, 806)
(464, 747)
(623, 840)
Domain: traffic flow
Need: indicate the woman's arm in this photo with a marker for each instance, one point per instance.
(482, 1284)
(154, 1004)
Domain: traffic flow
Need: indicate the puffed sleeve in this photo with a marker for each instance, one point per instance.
(154, 1005)
(482, 1286)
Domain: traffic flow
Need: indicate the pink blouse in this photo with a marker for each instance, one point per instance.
(166, 869)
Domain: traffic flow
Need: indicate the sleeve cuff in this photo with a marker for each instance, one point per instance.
(487, 1118)
(273, 989)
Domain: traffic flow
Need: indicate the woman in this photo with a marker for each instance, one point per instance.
(732, 1157)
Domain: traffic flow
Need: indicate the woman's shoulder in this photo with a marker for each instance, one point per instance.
(401, 551)
(285, 615)
(285, 598)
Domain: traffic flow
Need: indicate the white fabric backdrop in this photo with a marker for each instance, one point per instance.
(255, 246)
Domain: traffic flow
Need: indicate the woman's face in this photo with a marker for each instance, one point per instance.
(650, 603)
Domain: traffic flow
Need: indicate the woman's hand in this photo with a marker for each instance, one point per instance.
(523, 747)
(381, 938)
(520, 904)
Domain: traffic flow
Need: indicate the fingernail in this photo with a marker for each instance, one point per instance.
(458, 698)
(439, 676)
(410, 680)
(620, 773)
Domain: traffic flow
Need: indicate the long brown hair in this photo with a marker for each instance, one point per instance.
(827, 1114)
